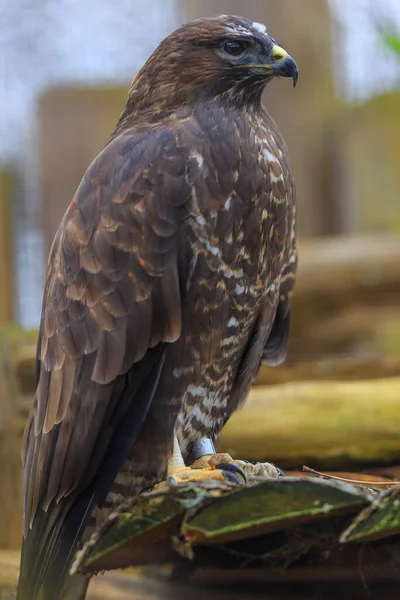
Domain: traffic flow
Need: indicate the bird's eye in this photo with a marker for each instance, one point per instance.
(234, 48)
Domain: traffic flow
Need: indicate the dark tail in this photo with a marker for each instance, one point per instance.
(50, 544)
(48, 551)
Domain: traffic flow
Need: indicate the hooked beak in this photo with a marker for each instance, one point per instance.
(282, 65)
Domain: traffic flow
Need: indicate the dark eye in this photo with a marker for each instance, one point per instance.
(234, 48)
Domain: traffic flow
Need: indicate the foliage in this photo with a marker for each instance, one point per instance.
(392, 42)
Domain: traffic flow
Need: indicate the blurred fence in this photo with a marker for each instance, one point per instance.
(45, 44)
(6, 246)
(344, 158)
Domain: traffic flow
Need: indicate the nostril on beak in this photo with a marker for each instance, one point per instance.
(278, 54)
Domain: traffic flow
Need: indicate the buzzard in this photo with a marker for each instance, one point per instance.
(168, 281)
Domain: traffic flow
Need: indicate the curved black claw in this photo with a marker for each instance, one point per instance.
(280, 472)
(231, 469)
(231, 477)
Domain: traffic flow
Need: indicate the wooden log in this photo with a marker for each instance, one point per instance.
(331, 368)
(341, 282)
(353, 331)
(330, 424)
(351, 266)
(315, 368)
(323, 423)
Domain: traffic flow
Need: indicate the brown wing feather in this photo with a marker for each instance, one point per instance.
(112, 292)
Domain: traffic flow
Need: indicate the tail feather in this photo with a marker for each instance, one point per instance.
(50, 544)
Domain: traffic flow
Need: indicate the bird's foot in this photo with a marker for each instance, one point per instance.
(186, 475)
(250, 472)
(221, 467)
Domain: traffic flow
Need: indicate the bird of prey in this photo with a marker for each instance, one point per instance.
(168, 281)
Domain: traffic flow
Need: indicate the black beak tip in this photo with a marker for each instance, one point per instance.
(292, 70)
(288, 68)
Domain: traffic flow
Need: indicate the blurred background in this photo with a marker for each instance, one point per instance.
(65, 71)
(65, 68)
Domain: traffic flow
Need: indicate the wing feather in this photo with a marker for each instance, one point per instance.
(112, 300)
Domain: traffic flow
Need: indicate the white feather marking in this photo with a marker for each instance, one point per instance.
(269, 156)
(260, 27)
(197, 413)
(233, 322)
(199, 159)
(240, 29)
(213, 249)
(196, 390)
(177, 373)
(227, 204)
(239, 289)
(231, 273)
(200, 219)
(276, 179)
(209, 400)
(228, 340)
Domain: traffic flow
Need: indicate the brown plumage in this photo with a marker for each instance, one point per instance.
(168, 280)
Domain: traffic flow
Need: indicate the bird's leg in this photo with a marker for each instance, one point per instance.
(176, 462)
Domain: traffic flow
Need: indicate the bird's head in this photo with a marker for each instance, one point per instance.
(224, 56)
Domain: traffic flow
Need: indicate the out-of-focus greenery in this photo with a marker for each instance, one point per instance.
(392, 41)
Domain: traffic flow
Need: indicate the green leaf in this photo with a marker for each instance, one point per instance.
(270, 506)
(379, 520)
(140, 532)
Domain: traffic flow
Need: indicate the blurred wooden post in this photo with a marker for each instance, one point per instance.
(370, 151)
(6, 249)
(74, 125)
(307, 115)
